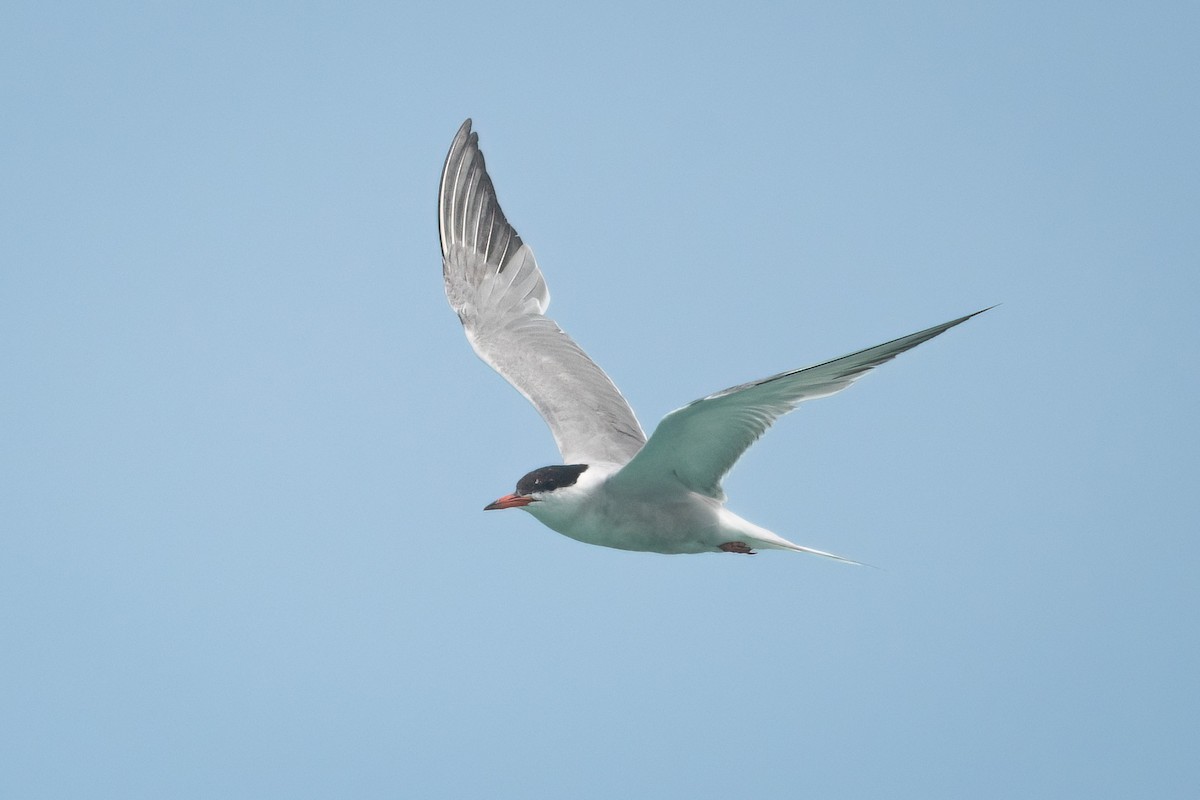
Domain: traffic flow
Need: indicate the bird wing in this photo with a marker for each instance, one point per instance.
(494, 284)
(696, 445)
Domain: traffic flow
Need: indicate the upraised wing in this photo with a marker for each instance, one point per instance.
(696, 445)
(494, 284)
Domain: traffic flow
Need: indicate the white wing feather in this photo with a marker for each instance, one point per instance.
(494, 285)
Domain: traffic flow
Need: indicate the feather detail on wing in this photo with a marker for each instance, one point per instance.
(494, 285)
(698, 444)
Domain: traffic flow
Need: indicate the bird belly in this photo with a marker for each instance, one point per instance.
(686, 523)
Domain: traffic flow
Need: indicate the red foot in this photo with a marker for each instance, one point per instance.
(737, 547)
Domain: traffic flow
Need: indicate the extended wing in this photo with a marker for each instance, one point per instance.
(494, 284)
(697, 444)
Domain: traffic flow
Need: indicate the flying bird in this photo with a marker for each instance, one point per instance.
(615, 487)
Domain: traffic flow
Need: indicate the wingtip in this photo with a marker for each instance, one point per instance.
(462, 138)
(945, 326)
(966, 317)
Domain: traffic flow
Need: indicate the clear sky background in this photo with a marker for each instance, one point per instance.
(244, 446)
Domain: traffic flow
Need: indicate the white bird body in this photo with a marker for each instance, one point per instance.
(615, 487)
(597, 510)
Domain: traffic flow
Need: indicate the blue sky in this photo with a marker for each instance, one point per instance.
(244, 446)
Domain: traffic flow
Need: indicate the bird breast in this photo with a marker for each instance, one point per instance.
(682, 522)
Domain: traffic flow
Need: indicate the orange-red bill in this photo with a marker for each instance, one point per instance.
(509, 501)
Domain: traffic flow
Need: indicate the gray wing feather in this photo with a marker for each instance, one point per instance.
(698, 444)
(494, 285)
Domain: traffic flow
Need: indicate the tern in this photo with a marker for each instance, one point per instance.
(615, 487)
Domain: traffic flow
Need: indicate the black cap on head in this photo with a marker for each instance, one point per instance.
(548, 479)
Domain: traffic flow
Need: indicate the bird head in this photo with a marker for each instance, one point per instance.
(538, 485)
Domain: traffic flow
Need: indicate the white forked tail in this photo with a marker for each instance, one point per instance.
(756, 536)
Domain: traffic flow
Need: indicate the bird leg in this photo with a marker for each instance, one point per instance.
(737, 547)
